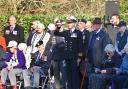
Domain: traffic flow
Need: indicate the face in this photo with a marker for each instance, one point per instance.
(122, 29)
(39, 30)
(11, 49)
(34, 25)
(81, 25)
(88, 25)
(110, 53)
(40, 48)
(59, 24)
(114, 19)
(71, 25)
(96, 27)
(12, 21)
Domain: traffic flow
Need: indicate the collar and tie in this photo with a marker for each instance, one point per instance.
(38, 57)
(11, 28)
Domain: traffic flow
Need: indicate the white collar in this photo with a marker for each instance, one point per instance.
(82, 30)
(13, 26)
(72, 30)
(98, 30)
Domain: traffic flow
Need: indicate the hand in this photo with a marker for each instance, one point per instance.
(118, 72)
(35, 67)
(10, 68)
(103, 71)
(97, 70)
(44, 58)
(7, 32)
(32, 56)
(120, 53)
(78, 61)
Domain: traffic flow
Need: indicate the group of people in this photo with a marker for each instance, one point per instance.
(85, 55)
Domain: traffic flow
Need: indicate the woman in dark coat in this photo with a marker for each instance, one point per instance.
(104, 73)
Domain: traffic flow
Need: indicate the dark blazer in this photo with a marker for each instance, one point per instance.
(86, 35)
(29, 39)
(39, 62)
(121, 40)
(17, 34)
(73, 43)
(96, 50)
(58, 50)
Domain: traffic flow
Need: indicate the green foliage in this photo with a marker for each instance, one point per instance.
(26, 10)
(124, 10)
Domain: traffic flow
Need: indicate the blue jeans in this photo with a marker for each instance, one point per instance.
(36, 76)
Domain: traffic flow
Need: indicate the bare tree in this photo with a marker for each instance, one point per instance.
(76, 7)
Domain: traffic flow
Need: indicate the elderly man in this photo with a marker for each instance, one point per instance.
(14, 64)
(104, 73)
(97, 42)
(39, 65)
(14, 31)
(40, 34)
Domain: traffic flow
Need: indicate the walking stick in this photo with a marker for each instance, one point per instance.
(83, 78)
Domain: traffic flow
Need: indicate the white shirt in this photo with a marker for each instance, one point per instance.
(72, 30)
(36, 39)
(13, 61)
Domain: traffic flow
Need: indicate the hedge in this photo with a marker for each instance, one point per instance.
(25, 20)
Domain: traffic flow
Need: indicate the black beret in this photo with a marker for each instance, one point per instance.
(71, 21)
(82, 20)
(39, 43)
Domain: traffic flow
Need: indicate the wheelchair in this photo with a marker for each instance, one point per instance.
(46, 81)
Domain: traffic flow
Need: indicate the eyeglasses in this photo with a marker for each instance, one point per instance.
(9, 47)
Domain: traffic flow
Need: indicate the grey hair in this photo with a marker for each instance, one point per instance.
(36, 21)
(109, 47)
(41, 25)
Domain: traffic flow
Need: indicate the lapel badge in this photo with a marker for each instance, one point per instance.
(98, 38)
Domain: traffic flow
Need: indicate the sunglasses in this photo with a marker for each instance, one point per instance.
(108, 53)
(9, 47)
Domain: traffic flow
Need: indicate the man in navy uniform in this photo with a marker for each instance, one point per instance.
(72, 52)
